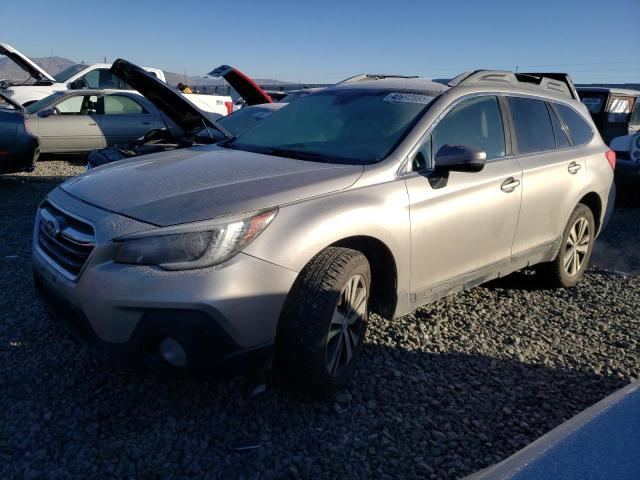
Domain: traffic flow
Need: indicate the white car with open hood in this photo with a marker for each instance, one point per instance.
(38, 83)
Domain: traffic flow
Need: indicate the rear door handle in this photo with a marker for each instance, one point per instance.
(92, 124)
(509, 185)
(146, 123)
(574, 167)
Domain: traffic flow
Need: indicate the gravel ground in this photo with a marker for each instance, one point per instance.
(454, 387)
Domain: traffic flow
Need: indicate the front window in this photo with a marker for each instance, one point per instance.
(78, 105)
(69, 72)
(343, 125)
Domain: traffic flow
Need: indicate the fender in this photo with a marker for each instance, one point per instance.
(380, 211)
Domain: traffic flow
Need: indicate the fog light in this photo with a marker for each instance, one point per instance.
(172, 352)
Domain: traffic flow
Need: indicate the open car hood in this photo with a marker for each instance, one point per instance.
(26, 63)
(169, 101)
(246, 88)
(13, 103)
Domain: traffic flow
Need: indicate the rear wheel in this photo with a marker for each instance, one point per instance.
(576, 245)
(324, 321)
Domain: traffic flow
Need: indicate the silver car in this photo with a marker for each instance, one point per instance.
(375, 196)
(83, 120)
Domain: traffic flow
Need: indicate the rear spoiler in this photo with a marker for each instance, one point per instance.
(560, 77)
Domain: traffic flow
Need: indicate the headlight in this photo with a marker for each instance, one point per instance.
(193, 245)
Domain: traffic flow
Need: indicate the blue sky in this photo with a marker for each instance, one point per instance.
(325, 41)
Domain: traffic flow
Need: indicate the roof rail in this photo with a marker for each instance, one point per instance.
(556, 82)
(372, 76)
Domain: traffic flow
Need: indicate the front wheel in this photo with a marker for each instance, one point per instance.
(324, 321)
(576, 245)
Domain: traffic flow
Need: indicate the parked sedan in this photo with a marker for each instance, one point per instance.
(83, 120)
(18, 147)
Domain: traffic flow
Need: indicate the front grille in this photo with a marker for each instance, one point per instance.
(66, 240)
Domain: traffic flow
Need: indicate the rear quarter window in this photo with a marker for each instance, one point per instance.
(579, 129)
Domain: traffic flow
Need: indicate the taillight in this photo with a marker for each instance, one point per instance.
(26, 127)
(4, 153)
(229, 106)
(611, 157)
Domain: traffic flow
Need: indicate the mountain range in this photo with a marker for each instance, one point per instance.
(53, 65)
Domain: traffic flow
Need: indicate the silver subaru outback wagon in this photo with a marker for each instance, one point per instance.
(374, 196)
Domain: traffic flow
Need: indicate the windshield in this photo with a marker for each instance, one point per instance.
(40, 104)
(69, 72)
(235, 123)
(342, 125)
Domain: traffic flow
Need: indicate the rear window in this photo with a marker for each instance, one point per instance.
(534, 132)
(594, 103)
(579, 129)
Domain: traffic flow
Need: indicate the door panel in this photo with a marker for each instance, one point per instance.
(119, 129)
(553, 174)
(124, 119)
(467, 225)
(73, 128)
(549, 192)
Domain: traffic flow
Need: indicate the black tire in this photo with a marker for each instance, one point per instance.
(555, 273)
(304, 349)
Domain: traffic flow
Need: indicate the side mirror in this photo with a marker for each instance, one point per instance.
(47, 112)
(78, 84)
(459, 158)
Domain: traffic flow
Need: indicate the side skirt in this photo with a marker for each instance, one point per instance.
(542, 254)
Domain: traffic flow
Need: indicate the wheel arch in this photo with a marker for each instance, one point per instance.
(593, 201)
(384, 272)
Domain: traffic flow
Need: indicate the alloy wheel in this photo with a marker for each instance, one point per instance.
(347, 325)
(577, 246)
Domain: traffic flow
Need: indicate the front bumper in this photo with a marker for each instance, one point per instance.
(122, 312)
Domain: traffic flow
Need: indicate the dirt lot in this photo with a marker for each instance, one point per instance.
(440, 393)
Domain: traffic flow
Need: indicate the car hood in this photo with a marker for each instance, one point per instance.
(25, 63)
(169, 101)
(246, 88)
(205, 182)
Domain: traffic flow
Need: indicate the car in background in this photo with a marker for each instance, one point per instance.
(194, 127)
(627, 148)
(161, 141)
(615, 111)
(79, 121)
(374, 196)
(41, 84)
(19, 148)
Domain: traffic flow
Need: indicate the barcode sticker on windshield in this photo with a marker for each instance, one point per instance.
(407, 98)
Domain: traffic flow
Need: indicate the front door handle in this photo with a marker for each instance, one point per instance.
(92, 124)
(146, 123)
(574, 167)
(509, 185)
